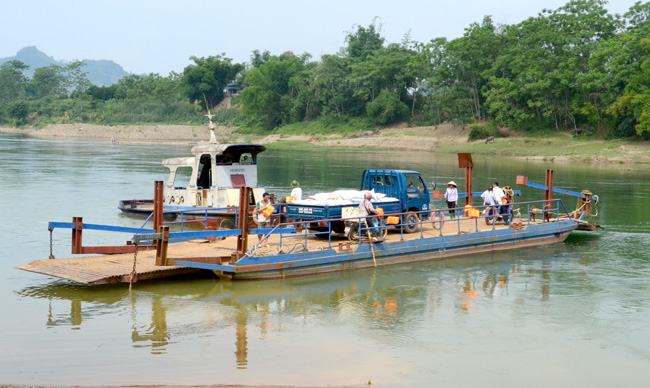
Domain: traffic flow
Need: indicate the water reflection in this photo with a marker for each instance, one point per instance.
(393, 301)
(155, 335)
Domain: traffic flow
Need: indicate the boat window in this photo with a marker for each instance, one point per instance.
(182, 177)
(223, 159)
(246, 158)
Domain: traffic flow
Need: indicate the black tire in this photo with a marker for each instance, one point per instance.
(489, 220)
(411, 218)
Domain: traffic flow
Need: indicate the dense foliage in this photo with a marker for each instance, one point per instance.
(575, 68)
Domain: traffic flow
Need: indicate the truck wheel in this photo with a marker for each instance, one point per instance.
(411, 218)
(490, 219)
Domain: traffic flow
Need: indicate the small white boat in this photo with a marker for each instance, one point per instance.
(216, 172)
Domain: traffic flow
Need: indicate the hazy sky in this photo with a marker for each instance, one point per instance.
(147, 36)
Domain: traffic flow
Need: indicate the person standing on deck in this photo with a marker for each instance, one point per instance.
(488, 200)
(263, 220)
(296, 192)
(498, 195)
(452, 198)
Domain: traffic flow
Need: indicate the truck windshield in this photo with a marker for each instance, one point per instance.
(415, 182)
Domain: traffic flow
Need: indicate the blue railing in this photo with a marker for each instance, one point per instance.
(551, 208)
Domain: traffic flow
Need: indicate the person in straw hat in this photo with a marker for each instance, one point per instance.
(452, 198)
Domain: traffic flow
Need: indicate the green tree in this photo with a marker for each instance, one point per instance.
(387, 108)
(76, 77)
(19, 110)
(267, 101)
(364, 41)
(12, 80)
(538, 74)
(47, 81)
(209, 77)
(259, 58)
(627, 58)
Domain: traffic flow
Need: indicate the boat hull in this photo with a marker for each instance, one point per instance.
(142, 208)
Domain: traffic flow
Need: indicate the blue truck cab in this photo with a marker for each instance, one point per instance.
(407, 186)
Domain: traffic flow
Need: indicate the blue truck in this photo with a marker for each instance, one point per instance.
(407, 186)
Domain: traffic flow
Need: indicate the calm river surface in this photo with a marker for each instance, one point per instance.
(572, 314)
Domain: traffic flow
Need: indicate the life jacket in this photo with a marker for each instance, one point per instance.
(290, 199)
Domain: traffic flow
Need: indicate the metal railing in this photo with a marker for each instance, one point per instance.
(550, 211)
(194, 212)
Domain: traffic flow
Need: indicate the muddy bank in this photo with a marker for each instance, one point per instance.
(446, 138)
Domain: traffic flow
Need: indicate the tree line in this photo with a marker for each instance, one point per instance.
(575, 68)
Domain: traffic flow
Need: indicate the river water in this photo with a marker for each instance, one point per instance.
(571, 314)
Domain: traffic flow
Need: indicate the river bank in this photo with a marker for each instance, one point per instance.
(446, 138)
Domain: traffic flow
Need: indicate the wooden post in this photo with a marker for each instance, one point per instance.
(76, 235)
(158, 199)
(161, 247)
(548, 194)
(242, 220)
(465, 161)
(548, 181)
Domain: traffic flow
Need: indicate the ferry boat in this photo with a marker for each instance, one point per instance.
(293, 249)
(216, 172)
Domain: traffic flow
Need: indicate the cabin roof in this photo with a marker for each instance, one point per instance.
(178, 162)
(219, 149)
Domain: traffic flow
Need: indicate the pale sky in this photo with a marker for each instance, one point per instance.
(146, 36)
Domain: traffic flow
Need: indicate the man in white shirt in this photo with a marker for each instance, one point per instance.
(488, 197)
(499, 194)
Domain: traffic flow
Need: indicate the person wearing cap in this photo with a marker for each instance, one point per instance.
(452, 198)
(296, 192)
(370, 210)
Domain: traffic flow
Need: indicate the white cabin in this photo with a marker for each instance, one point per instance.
(217, 173)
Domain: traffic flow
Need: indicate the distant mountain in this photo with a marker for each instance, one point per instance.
(100, 72)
